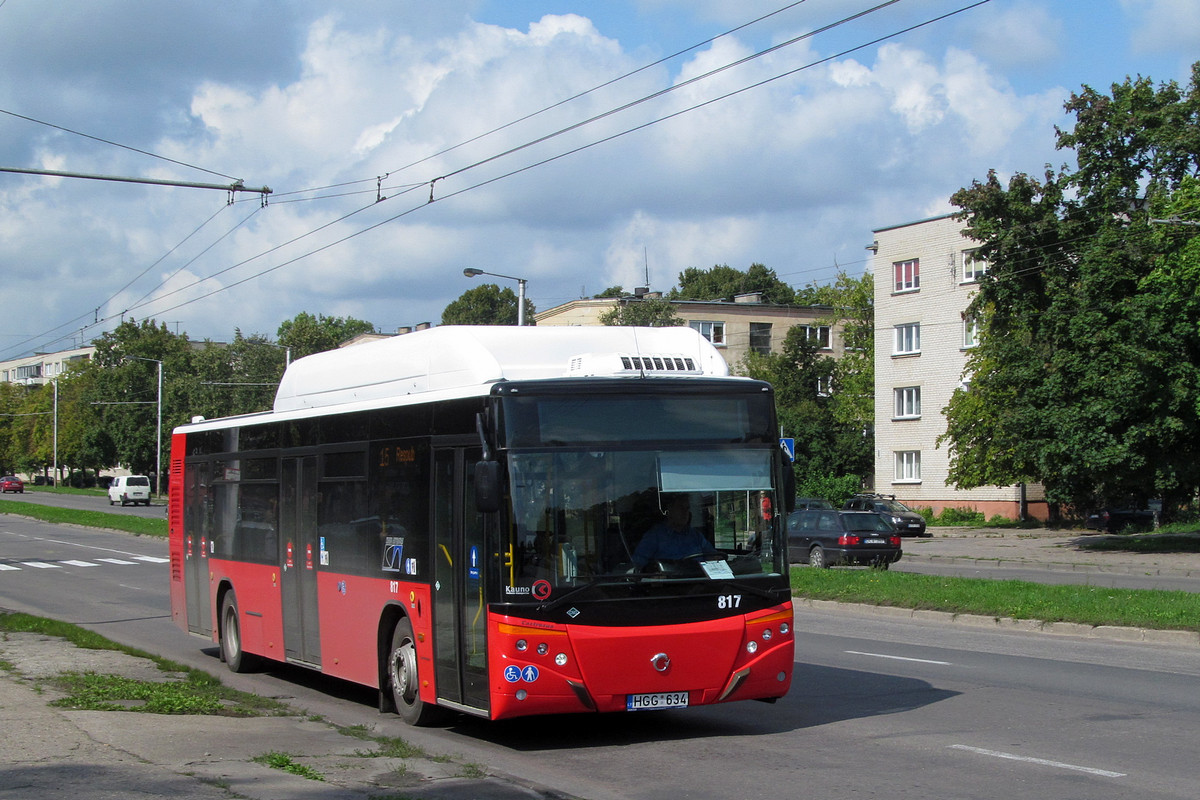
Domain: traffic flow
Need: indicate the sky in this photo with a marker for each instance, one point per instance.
(577, 145)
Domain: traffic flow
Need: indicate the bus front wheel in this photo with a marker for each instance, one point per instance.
(237, 659)
(403, 678)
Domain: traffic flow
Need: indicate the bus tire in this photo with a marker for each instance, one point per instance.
(237, 659)
(404, 680)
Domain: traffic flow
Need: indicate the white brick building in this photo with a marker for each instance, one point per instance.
(924, 278)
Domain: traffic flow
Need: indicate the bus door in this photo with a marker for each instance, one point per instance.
(460, 580)
(298, 559)
(197, 533)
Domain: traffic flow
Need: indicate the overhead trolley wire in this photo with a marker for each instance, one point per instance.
(117, 144)
(573, 151)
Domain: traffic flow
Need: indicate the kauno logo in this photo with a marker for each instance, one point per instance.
(515, 590)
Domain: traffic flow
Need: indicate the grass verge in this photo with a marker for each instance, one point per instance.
(1088, 605)
(183, 690)
(141, 526)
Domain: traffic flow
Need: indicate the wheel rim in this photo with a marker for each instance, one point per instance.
(233, 641)
(404, 671)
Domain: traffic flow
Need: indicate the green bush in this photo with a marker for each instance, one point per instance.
(960, 516)
(837, 489)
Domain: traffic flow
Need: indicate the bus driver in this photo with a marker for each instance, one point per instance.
(674, 538)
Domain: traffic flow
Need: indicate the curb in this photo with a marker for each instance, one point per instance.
(1111, 633)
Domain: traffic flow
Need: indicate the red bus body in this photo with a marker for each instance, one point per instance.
(484, 640)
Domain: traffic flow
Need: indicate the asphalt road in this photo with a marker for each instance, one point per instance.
(879, 706)
(157, 507)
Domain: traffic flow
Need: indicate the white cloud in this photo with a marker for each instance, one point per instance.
(793, 174)
(1164, 25)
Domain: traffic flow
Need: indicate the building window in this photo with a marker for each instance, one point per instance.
(908, 466)
(908, 339)
(820, 334)
(713, 331)
(970, 332)
(760, 337)
(29, 371)
(973, 266)
(908, 275)
(908, 402)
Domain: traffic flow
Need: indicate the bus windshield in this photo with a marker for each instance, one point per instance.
(584, 515)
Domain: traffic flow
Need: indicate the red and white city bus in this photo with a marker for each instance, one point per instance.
(454, 516)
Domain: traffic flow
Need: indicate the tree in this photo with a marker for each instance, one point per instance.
(236, 378)
(306, 334)
(801, 376)
(646, 312)
(1087, 375)
(126, 386)
(486, 304)
(612, 291)
(723, 282)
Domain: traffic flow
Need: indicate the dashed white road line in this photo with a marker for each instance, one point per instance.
(1103, 773)
(80, 563)
(898, 658)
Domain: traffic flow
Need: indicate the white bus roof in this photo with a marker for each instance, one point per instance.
(465, 360)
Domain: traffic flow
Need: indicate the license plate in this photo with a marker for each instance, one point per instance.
(914, 524)
(874, 541)
(642, 702)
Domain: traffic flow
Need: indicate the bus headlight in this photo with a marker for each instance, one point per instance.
(561, 659)
(751, 647)
(522, 645)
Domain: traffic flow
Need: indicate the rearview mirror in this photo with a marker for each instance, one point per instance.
(487, 486)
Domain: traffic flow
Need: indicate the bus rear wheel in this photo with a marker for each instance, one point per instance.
(237, 659)
(404, 681)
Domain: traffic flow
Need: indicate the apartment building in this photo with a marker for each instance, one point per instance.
(736, 328)
(925, 274)
(42, 367)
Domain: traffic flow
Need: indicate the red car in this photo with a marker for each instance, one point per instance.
(11, 483)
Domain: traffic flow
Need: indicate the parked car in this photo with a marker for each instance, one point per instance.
(826, 537)
(804, 503)
(11, 483)
(904, 520)
(1113, 520)
(127, 489)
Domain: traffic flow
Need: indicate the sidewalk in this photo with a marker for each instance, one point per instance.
(58, 754)
(1055, 550)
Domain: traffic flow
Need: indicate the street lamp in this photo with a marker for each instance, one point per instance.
(471, 272)
(158, 434)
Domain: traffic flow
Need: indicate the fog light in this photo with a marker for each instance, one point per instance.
(561, 659)
(522, 694)
(521, 645)
(767, 635)
(751, 647)
(543, 648)
(783, 629)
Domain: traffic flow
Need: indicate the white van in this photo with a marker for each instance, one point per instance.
(129, 489)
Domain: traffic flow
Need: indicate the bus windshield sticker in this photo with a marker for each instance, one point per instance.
(393, 553)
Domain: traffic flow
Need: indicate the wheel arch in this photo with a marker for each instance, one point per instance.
(388, 619)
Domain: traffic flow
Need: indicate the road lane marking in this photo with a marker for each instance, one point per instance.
(152, 559)
(40, 565)
(898, 658)
(81, 563)
(1103, 773)
(116, 561)
(4, 567)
